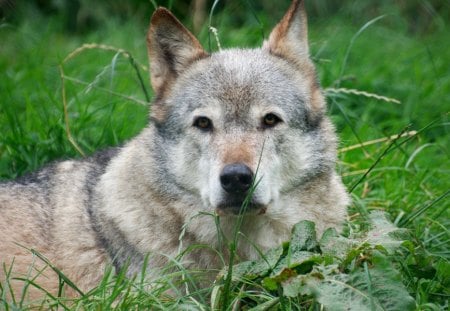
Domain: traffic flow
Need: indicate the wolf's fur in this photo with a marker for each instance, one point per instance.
(124, 203)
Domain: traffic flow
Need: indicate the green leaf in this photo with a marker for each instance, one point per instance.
(251, 270)
(335, 293)
(284, 272)
(336, 245)
(299, 258)
(298, 286)
(302, 262)
(384, 284)
(330, 288)
(270, 284)
(303, 237)
(273, 256)
(383, 232)
(377, 288)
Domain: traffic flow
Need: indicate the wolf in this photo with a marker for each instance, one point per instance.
(234, 134)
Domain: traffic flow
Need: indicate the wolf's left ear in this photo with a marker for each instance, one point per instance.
(171, 48)
(289, 38)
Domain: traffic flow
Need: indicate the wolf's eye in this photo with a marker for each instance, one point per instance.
(270, 120)
(203, 123)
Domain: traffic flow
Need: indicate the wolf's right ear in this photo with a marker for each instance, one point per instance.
(289, 38)
(171, 48)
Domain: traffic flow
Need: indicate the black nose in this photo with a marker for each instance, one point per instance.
(236, 178)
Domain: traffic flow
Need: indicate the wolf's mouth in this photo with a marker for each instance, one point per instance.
(241, 208)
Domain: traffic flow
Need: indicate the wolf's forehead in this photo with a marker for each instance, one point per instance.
(239, 78)
(244, 69)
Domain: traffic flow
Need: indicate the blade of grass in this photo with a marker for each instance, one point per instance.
(34, 284)
(380, 157)
(349, 123)
(258, 20)
(66, 113)
(211, 12)
(60, 274)
(391, 147)
(406, 220)
(360, 93)
(268, 305)
(234, 242)
(369, 286)
(130, 98)
(126, 54)
(352, 42)
(376, 141)
(8, 288)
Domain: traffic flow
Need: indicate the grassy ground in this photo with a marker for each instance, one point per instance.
(355, 52)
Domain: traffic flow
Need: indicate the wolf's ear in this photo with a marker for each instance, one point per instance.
(289, 38)
(171, 48)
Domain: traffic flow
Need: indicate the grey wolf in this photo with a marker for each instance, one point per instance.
(219, 124)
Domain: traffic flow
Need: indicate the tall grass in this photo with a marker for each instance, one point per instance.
(388, 90)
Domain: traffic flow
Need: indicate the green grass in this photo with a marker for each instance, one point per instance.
(408, 176)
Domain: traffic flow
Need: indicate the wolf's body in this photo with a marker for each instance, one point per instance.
(219, 122)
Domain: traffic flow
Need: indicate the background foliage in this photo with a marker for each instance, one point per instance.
(396, 49)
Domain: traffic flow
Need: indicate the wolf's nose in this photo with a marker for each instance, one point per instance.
(236, 178)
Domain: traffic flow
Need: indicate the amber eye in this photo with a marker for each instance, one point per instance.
(270, 120)
(203, 123)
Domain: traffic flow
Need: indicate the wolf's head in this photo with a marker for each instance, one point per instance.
(239, 120)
